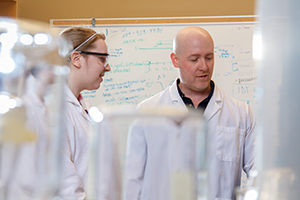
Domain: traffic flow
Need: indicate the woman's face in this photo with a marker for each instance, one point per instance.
(93, 68)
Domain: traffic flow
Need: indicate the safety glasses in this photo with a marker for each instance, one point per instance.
(103, 57)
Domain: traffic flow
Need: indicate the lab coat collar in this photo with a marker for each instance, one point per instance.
(175, 98)
(70, 98)
(214, 105)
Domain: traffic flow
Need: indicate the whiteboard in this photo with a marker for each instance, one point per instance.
(141, 65)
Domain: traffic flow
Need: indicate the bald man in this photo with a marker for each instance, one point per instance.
(230, 126)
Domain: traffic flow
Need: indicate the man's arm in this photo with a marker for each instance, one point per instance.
(249, 148)
(135, 162)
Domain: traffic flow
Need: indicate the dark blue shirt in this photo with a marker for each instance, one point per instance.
(188, 102)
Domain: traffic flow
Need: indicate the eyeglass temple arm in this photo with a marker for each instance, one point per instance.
(82, 44)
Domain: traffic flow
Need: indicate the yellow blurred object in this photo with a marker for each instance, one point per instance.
(13, 127)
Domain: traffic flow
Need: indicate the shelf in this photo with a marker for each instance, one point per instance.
(8, 8)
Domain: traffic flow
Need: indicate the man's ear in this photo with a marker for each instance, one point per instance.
(174, 59)
(75, 59)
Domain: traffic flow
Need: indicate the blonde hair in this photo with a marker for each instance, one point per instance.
(78, 35)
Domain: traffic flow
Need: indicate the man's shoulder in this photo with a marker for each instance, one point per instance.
(232, 101)
(160, 98)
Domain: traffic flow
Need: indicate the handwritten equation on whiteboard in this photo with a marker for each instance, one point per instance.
(141, 65)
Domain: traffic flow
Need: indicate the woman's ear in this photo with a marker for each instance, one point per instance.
(75, 59)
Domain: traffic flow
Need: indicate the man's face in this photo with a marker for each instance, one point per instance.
(195, 61)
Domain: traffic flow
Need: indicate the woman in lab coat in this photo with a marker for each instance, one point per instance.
(230, 124)
(88, 64)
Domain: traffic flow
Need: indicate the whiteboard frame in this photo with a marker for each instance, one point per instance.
(108, 22)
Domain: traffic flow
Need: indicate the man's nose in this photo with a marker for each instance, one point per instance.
(202, 64)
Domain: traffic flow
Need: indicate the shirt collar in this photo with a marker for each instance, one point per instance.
(203, 103)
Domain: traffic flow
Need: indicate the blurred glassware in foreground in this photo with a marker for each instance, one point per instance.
(279, 112)
(176, 153)
(32, 72)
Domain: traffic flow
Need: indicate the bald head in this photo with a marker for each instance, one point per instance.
(187, 35)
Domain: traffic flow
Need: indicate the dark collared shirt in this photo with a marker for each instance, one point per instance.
(188, 102)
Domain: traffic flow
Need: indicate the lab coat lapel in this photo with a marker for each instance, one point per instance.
(70, 98)
(174, 94)
(84, 113)
(214, 104)
(84, 108)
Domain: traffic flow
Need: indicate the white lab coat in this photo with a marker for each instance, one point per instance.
(157, 151)
(75, 158)
(107, 175)
(108, 167)
(231, 137)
